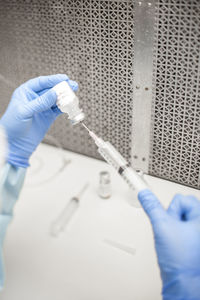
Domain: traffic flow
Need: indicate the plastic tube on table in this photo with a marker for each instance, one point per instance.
(120, 246)
(65, 216)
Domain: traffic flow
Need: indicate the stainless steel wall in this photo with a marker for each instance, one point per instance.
(175, 140)
(137, 65)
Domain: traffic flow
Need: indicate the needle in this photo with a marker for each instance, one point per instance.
(98, 141)
(82, 191)
(120, 246)
(85, 127)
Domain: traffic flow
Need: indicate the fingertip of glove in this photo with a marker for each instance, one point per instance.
(62, 77)
(51, 93)
(144, 194)
(73, 84)
(177, 197)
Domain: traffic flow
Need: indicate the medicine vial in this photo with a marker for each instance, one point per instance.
(68, 102)
(104, 190)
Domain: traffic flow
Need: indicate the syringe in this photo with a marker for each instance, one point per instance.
(115, 159)
(65, 216)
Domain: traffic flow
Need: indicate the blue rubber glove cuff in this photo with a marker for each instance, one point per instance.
(11, 182)
(14, 159)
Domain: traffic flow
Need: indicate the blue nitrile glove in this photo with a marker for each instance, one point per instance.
(177, 242)
(29, 115)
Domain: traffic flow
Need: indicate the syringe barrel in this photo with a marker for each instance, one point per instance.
(114, 158)
(134, 180)
(64, 218)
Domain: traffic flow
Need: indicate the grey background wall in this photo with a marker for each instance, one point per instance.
(175, 140)
(137, 65)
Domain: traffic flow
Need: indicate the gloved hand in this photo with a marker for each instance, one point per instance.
(29, 115)
(177, 242)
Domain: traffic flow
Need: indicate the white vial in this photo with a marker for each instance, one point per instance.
(68, 102)
(104, 190)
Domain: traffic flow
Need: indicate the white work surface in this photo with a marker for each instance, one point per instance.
(79, 265)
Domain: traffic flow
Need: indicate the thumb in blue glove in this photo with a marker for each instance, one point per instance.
(29, 115)
(177, 242)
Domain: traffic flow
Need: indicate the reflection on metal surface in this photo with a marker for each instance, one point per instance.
(106, 46)
(142, 67)
(175, 140)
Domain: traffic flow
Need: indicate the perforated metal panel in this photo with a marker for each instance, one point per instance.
(112, 48)
(175, 151)
(92, 42)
